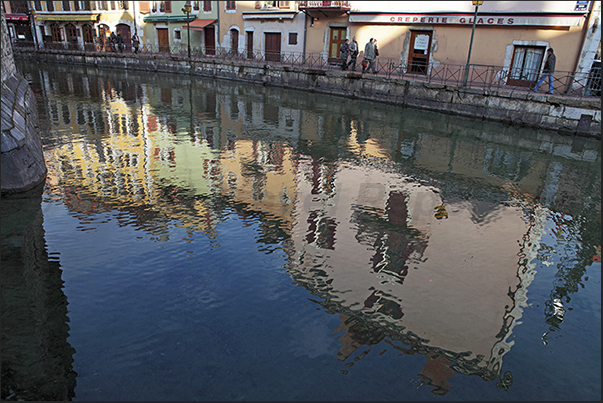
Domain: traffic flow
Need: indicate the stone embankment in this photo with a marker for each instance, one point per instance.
(22, 160)
(566, 115)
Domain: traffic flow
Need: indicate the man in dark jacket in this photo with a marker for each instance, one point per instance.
(344, 53)
(547, 71)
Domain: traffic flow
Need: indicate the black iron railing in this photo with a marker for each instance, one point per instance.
(565, 83)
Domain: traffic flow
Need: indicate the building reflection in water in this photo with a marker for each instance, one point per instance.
(36, 356)
(414, 236)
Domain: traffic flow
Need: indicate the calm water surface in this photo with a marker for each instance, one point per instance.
(204, 240)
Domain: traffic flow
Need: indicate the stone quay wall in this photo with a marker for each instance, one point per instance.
(22, 165)
(569, 116)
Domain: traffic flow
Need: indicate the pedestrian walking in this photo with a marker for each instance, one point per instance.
(120, 42)
(547, 71)
(113, 42)
(135, 42)
(376, 55)
(369, 57)
(353, 53)
(344, 52)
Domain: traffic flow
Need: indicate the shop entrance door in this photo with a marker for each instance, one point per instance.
(335, 41)
(418, 56)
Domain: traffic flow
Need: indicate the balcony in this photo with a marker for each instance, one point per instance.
(325, 5)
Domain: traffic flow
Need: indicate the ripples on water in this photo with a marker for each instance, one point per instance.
(224, 241)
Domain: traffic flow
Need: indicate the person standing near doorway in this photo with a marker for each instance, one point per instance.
(353, 53)
(135, 42)
(344, 52)
(547, 71)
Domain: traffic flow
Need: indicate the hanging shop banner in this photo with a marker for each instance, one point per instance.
(557, 20)
(16, 17)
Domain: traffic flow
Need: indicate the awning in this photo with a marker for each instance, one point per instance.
(198, 25)
(16, 17)
(167, 18)
(66, 17)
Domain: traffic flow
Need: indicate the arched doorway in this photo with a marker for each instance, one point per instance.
(71, 33)
(234, 42)
(103, 37)
(124, 31)
(88, 36)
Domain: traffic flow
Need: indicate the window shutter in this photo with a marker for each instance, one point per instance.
(168, 6)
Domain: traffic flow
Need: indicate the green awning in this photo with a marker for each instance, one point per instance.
(168, 18)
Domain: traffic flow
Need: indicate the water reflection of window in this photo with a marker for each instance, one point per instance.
(394, 242)
(249, 111)
(271, 114)
(81, 118)
(66, 114)
(54, 112)
(506, 165)
(166, 96)
(407, 148)
(321, 230)
(258, 185)
(277, 154)
(383, 305)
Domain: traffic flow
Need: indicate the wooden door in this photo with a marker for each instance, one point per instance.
(55, 35)
(124, 31)
(163, 39)
(210, 40)
(418, 55)
(273, 47)
(338, 36)
(234, 42)
(88, 37)
(71, 32)
(249, 39)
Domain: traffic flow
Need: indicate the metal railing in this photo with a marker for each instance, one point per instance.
(480, 76)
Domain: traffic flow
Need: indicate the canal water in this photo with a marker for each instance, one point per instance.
(211, 240)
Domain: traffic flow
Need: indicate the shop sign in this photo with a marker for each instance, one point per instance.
(16, 17)
(581, 6)
(484, 19)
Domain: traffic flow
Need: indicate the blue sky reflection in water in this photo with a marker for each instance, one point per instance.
(221, 241)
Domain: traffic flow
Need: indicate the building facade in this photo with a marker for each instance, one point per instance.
(414, 37)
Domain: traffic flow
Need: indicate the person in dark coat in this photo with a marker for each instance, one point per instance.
(344, 52)
(120, 42)
(547, 71)
(353, 54)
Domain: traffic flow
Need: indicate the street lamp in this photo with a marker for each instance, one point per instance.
(476, 4)
(187, 10)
